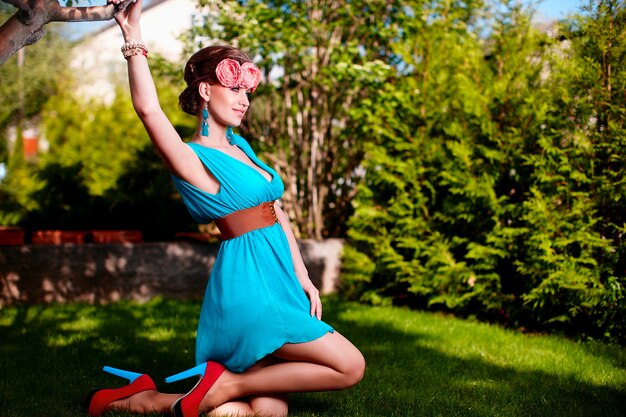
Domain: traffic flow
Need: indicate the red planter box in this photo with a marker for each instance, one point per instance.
(57, 237)
(116, 236)
(196, 237)
(10, 235)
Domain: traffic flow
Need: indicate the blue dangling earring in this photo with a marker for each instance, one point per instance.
(205, 120)
(229, 134)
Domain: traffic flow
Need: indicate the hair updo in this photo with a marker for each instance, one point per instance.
(201, 67)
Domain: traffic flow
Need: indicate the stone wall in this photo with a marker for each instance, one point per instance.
(98, 273)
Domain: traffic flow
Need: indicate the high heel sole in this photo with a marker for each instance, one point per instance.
(188, 405)
(98, 400)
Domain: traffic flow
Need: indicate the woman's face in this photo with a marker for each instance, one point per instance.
(228, 106)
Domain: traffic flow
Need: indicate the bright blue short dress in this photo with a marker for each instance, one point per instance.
(253, 303)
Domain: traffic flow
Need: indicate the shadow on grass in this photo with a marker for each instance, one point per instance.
(405, 378)
(50, 357)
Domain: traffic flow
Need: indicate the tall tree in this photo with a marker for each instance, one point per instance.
(429, 199)
(576, 259)
(28, 81)
(320, 58)
(494, 182)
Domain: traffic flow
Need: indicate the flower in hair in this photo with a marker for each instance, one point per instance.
(250, 76)
(231, 74)
(228, 72)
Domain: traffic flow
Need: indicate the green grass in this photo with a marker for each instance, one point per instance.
(419, 364)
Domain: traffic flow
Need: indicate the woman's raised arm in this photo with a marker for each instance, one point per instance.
(175, 154)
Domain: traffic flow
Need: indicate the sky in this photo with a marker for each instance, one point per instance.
(557, 9)
(548, 10)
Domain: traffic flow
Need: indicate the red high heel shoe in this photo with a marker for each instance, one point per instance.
(98, 400)
(187, 405)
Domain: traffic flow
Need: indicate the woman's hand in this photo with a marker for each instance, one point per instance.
(129, 17)
(314, 297)
(298, 264)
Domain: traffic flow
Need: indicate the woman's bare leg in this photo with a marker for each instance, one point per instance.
(158, 402)
(146, 402)
(265, 405)
(328, 363)
(270, 405)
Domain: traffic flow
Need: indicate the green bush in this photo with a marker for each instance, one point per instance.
(101, 171)
(495, 173)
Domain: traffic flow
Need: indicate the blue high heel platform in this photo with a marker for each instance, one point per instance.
(131, 376)
(98, 400)
(207, 373)
(195, 371)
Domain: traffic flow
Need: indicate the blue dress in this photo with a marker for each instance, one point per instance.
(253, 303)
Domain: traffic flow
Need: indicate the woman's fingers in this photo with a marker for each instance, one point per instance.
(319, 309)
(316, 306)
(130, 15)
(314, 299)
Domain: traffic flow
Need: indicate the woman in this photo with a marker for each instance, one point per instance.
(260, 334)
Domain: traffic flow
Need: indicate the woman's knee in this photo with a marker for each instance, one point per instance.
(350, 363)
(354, 369)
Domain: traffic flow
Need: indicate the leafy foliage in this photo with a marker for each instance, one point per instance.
(320, 58)
(495, 172)
(27, 84)
(101, 170)
(480, 160)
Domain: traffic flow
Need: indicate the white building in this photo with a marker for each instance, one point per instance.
(98, 62)
(100, 67)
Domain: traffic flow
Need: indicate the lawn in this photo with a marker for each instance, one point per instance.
(419, 364)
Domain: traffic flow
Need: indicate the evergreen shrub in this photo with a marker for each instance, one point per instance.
(494, 183)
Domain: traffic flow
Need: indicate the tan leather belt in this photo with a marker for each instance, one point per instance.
(244, 221)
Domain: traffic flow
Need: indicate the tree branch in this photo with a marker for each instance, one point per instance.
(28, 24)
(87, 14)
(19, 4)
